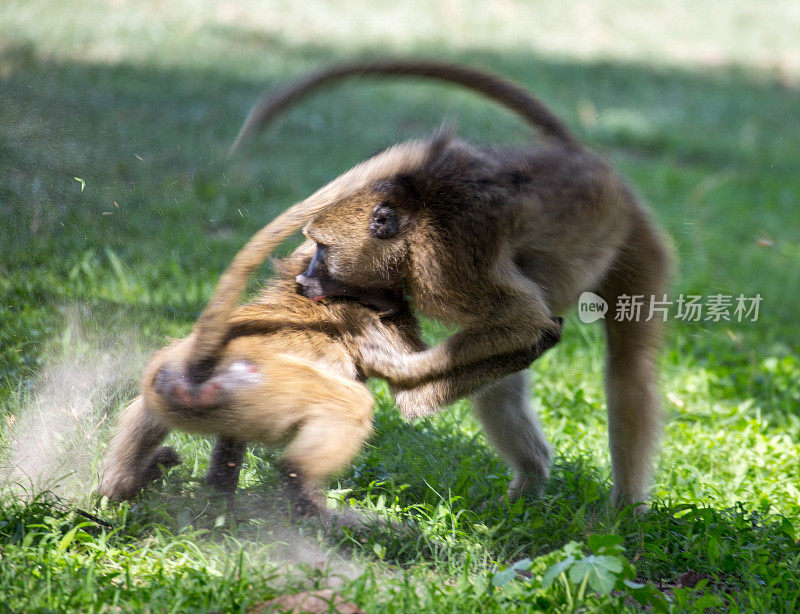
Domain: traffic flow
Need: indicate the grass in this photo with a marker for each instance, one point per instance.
(118, 210)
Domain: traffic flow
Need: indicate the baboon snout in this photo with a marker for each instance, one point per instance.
(310, 279)
(315, 282)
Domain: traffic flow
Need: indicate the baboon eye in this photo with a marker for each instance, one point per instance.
(384, 223)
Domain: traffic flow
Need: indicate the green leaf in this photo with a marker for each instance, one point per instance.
(501, 578)
(707, 601)
(522, 565)
(555, 570)
(600, 544)
(65, 541)
(599, 570)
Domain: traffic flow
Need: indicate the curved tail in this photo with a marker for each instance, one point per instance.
(504, 92)
(211, 327)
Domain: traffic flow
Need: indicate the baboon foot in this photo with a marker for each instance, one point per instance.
(164, 458)
(524, 484)
(621, 501)
(303, 497)
(119, 488)
(225, 465)
(124, 486)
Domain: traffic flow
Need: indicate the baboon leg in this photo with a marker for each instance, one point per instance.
(225, 465)
(132, 458)
(634, 404)
(328, 439)
(322, 446)
(513, 428)
(429, 397)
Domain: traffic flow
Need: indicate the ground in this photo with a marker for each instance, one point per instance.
(119, 209)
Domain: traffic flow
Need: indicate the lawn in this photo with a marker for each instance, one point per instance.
(119, 210)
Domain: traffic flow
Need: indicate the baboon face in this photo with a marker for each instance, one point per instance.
(360, 242)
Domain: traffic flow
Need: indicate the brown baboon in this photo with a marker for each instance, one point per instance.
(287, 373)
(497, 241)
(244, 386)
(282, 369)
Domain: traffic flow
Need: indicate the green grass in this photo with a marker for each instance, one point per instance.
(698, 105)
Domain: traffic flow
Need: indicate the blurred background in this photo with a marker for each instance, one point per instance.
(119, 209)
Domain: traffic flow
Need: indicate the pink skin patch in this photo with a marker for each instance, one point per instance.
(209, 394)
(180, 392)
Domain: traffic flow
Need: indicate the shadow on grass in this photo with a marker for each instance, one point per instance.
(714, 150)
(150, 143)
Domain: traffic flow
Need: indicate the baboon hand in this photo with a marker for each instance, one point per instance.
(388, 364)
(548, 339)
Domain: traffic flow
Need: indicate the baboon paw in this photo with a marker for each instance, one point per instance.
(376, 361)
(119, 488)
(164, 458)
(635, 502)
(223, 479)
(552, 335)
(548, 338)
(304, 497)
(521, 485)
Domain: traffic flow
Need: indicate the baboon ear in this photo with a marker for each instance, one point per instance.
(441, 140)
(384, 221)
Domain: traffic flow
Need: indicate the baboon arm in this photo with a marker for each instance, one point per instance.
(428, 397)
(520, 319)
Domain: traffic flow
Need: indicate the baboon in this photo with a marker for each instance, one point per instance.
(282, 369)
(497, 241)
(287, 373)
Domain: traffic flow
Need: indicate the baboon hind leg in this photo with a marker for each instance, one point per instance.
(333, 421)
(132, 459)
(634, 404)
(225, 465)
(513, 428)
(324, 444)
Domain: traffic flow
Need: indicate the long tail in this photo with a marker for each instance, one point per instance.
(504, 92)
(211, 327)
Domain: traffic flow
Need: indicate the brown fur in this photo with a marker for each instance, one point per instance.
(497, 242)
(216, 367)
(306, 391)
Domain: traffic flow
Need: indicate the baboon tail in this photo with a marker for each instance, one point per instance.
(211, 327)
(504, 92)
